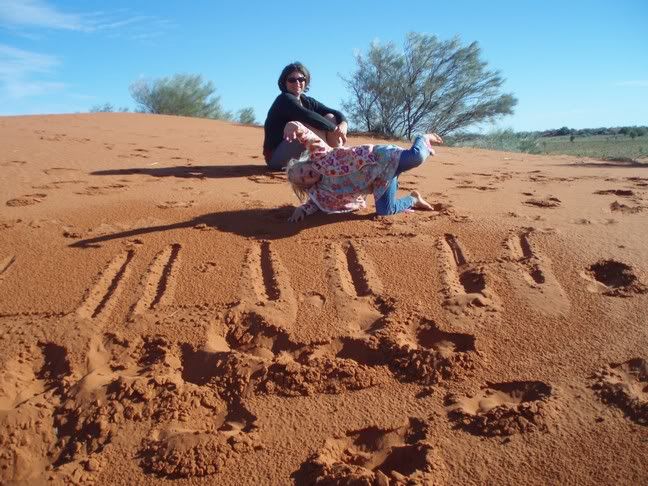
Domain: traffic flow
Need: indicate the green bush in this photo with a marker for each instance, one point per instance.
(246, 116)
(180, 94)
(105, 108)
(506, 140)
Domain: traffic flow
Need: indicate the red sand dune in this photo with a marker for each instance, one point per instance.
(161, 321)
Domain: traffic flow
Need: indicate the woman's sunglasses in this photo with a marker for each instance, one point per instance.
(294, 80)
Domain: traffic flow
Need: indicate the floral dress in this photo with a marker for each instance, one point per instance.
(348, 173)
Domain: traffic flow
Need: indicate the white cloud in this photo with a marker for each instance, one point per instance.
(31, 14)
(18, 68)
(25, 73)
(35, 13)
(640, 83)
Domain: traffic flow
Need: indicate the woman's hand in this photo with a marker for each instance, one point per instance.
(297, 215)
(290, 131)
(341, 133)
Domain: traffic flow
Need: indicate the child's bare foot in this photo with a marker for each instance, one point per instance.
(420, 202)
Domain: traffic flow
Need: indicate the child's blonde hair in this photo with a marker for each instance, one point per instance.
(300, 190)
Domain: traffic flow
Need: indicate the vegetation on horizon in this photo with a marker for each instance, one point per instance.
(619, 143)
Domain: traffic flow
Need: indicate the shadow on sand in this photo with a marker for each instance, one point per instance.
(194, 171)
(619, 164)
(257, 223)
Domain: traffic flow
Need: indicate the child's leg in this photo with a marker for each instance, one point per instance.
(414, 156)
(388, 204)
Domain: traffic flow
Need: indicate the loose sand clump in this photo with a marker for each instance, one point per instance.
(504, 409)
(374, 456)
(321, 375)
(187, 454)
(423, 353)
(625, 386)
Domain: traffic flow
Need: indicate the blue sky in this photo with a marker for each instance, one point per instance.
(579, 64)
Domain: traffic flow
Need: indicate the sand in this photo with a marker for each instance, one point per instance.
(160, 321)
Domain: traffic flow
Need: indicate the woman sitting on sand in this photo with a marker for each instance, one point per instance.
(336, 180)
(292, 105)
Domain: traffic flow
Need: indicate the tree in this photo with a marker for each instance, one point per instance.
(432, 85)
(108, 108)
(180, 94)
(105, 108)
(246, 116)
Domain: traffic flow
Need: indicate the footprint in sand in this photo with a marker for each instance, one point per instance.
(503, 409)
(56, 137)
(31, 386)
(265, 286)
(5, 266)
(57, 184)
(181, 452)
(547, 202)
(101, 190)
(625, 386)
(377, 456)
(613, 278)
(155, 290)
(417, 350)
(31, 374)
(616, 206)
(59, 170)
(638, 181)
(26, 200)
(479, 188)
(10, 163)
(616, 192)
(355, 286)
(542, 288)
(271, 178)
(265, 360)
(465, 286)
(175, 204)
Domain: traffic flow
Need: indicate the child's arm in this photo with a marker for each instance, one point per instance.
(316, 146)
(306, 209)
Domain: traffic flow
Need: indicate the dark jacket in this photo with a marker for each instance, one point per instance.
(287, 108)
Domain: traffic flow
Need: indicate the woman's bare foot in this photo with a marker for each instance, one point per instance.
(420, 202)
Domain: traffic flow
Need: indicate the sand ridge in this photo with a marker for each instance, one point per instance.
(161, 321)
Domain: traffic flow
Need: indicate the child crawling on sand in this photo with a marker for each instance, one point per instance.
(336, 180)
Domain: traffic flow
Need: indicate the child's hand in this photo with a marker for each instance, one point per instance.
(434, 139)
(297, 215)
(290, 131)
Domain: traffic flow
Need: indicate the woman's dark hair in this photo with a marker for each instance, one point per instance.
(295, 66)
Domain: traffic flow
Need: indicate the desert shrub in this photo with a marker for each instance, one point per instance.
(246, 116)
(180, 94)
(505, 139)
(105, 108)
